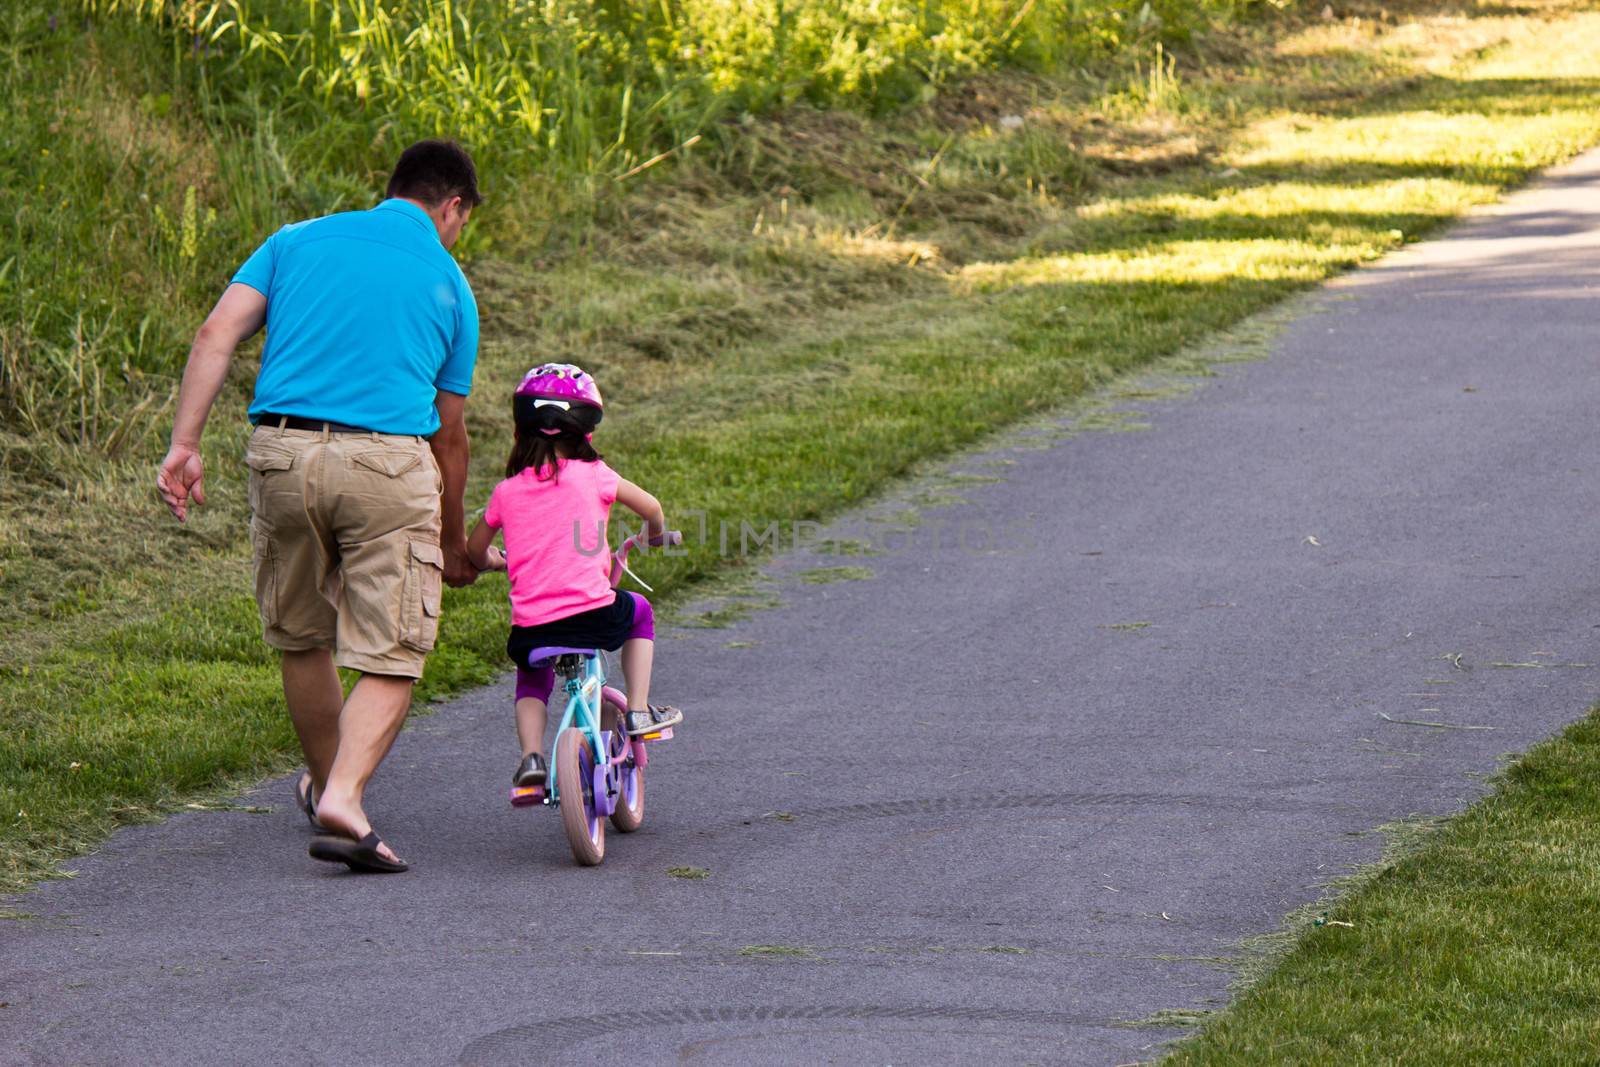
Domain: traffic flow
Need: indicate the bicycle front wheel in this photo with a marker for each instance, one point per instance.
(586, 831)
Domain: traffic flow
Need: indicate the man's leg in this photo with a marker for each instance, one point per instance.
(311, 689)
(368, 724)
(293, 557)
(381, 500)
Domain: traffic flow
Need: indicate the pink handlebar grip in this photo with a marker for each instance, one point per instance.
(619, 559)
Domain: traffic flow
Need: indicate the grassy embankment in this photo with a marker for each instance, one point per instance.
(904, 283)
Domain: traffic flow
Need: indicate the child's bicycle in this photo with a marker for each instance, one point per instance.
(593, 722)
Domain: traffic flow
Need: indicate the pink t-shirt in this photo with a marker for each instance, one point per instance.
(555, 533)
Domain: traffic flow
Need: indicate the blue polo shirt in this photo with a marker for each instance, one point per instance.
(367, 317)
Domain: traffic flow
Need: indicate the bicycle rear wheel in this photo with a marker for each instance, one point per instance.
(586, 831)
(629, 812)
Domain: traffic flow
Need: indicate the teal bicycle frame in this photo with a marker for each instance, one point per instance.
(585, 694)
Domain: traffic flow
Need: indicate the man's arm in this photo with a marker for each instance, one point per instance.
(450, 451)
(238, 315)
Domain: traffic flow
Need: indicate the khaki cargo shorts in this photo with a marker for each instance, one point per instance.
(345, 533)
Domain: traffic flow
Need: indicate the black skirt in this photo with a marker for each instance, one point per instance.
(605, 627)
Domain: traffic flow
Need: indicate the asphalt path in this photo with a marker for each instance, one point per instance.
(993, 802)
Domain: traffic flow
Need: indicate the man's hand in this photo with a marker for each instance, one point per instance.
(458, 567)
(182, 478)
(239, 313)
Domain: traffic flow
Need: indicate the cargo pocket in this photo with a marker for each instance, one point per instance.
(424, 586)
(264, 559)
(262, 463)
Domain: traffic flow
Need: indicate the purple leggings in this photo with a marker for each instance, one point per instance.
(539, 682)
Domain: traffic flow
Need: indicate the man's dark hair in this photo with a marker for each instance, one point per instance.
(433, 171)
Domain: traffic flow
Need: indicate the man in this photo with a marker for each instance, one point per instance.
(358, 464)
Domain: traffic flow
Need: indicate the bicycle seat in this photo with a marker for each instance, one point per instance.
(545, 656)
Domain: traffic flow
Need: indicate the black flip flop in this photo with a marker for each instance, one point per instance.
(302, 797)
(360, 856)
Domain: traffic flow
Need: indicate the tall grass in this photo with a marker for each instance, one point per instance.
(597, 86)
(106, 231)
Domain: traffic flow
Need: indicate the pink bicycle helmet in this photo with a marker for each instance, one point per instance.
(558, 396)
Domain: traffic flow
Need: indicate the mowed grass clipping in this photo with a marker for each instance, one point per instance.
(1477, 946)
(773, 354)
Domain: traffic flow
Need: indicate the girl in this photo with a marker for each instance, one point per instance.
(552, 509)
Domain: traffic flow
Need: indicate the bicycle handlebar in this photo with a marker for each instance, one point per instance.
(619, 558)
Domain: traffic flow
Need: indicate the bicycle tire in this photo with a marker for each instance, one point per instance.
(586, 831)
(629, 812)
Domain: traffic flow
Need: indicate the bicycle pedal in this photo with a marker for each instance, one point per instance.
(526, 796)
(659, 735)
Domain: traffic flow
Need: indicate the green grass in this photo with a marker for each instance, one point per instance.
(693, 874)
(1474, 943)
(781, 952)
(937, 273)
(829, 575)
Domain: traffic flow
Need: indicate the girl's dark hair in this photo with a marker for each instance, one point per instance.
(539, 450)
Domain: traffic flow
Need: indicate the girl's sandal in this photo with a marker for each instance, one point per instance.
(659, 717)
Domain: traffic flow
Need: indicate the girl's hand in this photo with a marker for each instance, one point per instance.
(481, 552)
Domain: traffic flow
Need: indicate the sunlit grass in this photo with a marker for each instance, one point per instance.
(1184, 263)
(1422, 137)
(1380, 176)
(1259, 204)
